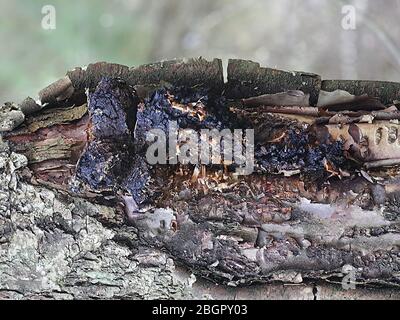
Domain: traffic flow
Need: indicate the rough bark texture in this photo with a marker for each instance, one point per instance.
(188, 72)
(388, 92)
(248, 79)
(69, 228)
(57, 247)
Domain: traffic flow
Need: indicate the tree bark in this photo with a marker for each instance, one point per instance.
(267, 237)
(247, 79)
(387, 92)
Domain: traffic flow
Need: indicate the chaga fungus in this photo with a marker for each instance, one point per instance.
(111, 161)
(114, 160)
(323, 194)
(300, 151)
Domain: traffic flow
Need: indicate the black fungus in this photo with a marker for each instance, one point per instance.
(114, 159)
(102, 164)
(109, 161)
(158, 111)
(115, 156)
(112, 108)
(299, 151)
(137, 180)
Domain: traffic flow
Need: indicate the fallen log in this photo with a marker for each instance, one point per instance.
(79, 203)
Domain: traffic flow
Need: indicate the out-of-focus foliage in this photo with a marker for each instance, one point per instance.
(288, 34)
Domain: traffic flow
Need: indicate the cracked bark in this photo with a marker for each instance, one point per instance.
(59, 245)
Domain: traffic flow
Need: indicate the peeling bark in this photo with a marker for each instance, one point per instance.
(387, 92)
(83, 216)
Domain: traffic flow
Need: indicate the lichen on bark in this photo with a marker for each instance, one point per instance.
(56, 247)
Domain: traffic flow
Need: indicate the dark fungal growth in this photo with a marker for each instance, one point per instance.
(322, 199)
(112, 162)
(190, 112)
(115, 157)
(112, 109)
(298, 150)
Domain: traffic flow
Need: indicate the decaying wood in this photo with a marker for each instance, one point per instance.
(383, 163)
(363, 103)
(65, 233)
(289, 98)
(295, 110)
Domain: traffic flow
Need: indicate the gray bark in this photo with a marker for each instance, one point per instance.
(57, 247)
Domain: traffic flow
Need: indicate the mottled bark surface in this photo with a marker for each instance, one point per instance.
(82, 215)
(57, 247)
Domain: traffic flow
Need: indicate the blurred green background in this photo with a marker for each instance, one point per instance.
(288, 34)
